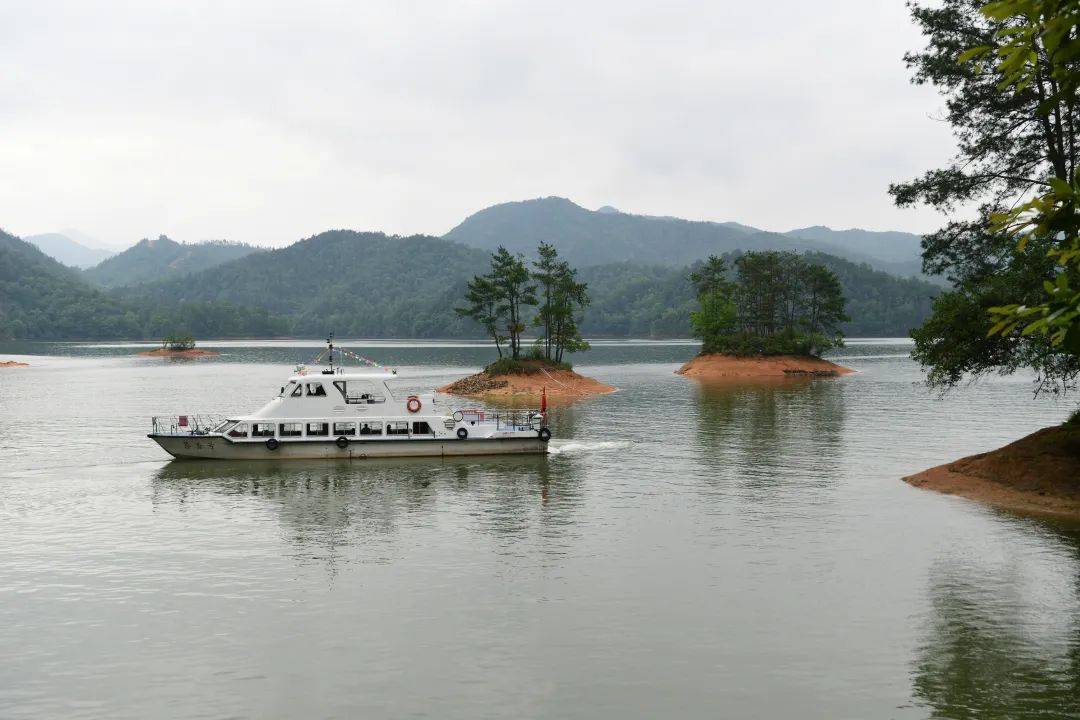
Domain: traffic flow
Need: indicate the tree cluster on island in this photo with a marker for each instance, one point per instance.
(177, 343)
(775, 303)
(499, 301)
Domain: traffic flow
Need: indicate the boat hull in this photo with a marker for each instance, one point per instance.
(216, 448)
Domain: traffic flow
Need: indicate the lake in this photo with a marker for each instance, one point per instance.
(743, 551)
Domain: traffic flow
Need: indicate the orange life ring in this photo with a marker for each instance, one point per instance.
(413, 404)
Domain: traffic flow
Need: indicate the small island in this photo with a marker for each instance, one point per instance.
(1038, 474)
(720, 365)
(527, 381)
(497, 302)
(13, 364)
(178, 346)
(773, 319)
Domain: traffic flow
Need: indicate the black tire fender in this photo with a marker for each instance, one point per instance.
(544, 434)
(462, 433)
(272, 444)
(342, 442)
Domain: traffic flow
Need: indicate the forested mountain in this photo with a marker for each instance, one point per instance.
(151, 260)
(360, 284)
(375, 285)
(585, 237)
(67, 250)
(40, 299)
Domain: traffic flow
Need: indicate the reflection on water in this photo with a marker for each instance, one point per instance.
(326, 506)
(686, 550)
(766, 428)
(1007, 648)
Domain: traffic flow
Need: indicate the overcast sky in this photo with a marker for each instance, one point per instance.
(266, 122)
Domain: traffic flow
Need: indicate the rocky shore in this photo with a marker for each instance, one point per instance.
(1038, 475)
(13, 363)
(715, 366)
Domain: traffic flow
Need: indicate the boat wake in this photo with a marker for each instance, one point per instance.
(574, 447)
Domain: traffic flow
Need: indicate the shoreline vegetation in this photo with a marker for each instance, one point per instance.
(526, 381)
(1036, 475)
(1014, 266)
(721, 366)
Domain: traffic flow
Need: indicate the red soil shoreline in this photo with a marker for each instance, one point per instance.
(192, 353)
(1036, 475)
(13, 364)
(718, 366)
(562, 386)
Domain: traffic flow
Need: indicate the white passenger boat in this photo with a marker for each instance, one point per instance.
(335, 413)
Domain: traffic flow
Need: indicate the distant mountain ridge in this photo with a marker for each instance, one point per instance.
(355, 283)
(374, 285)
(41, 299)
(587, 237)
(163, 258)
(891, 245)
(369, 284)
(391, 286)
(65, 249)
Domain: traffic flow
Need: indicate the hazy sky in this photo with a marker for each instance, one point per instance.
(266, 122)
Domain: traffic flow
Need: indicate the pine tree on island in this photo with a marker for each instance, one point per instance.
(500, 302)
(772, 304)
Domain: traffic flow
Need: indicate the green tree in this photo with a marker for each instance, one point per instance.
(571, 296)
(483, 307)
(780, 303)
(546, 271)
(716, 315)
(823, 304)
(711, 276)
(1015, 120)
(514, 290)
(563, 297)
(1041, 44)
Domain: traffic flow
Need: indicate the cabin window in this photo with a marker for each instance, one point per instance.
(291, 429)
(421, 428)
(346, 428)
(318, 429)
(262, 430)
(316, 390)
(360, 394)
(239, 430)
(297, 391)
(370, 428)
(397, 428)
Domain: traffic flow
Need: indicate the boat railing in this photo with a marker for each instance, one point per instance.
(187, 424)
(504, 420)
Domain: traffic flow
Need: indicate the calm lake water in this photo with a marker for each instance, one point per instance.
(745, 551)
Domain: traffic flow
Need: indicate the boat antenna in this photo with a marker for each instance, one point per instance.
(330, 348)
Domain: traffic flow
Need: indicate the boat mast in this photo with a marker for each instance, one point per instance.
(330, 347)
